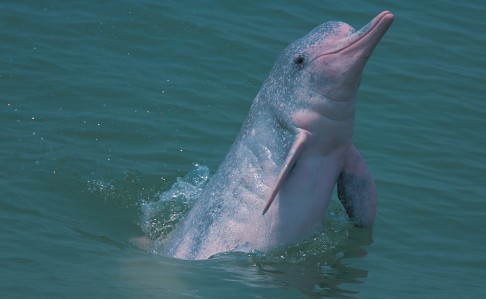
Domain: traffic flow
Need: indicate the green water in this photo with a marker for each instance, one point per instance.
(104, 105)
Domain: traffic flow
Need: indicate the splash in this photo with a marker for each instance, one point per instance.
(101, 186)
(158, 218)
(120, 192)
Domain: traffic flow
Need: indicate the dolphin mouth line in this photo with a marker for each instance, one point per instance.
(377, 21)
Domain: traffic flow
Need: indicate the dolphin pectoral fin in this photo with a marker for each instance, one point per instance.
(356, 190)
(292, 156)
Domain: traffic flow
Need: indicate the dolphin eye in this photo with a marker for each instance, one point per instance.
(299, 59)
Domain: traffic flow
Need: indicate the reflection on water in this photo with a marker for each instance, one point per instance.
(318, 268)
(322, 271)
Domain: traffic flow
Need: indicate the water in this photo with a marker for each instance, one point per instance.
(104, 105)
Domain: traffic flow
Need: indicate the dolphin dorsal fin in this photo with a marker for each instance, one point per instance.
(294, 153)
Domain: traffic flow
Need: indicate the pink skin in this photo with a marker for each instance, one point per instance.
(295, 145)
(343, 63)
(327, 154)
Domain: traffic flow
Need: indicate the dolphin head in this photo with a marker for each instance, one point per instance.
(329, 60)
(337, 59)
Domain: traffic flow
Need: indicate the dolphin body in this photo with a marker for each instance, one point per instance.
(293, 148)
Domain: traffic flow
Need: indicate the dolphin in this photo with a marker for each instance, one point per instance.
(274, 185)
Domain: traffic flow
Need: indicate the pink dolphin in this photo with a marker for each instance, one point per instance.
(293, 148)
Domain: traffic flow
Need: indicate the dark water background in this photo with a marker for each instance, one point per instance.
(105, 104)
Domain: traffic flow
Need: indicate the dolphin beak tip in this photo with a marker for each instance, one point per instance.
(388, 14)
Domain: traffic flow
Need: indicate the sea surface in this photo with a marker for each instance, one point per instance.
(114, 114)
